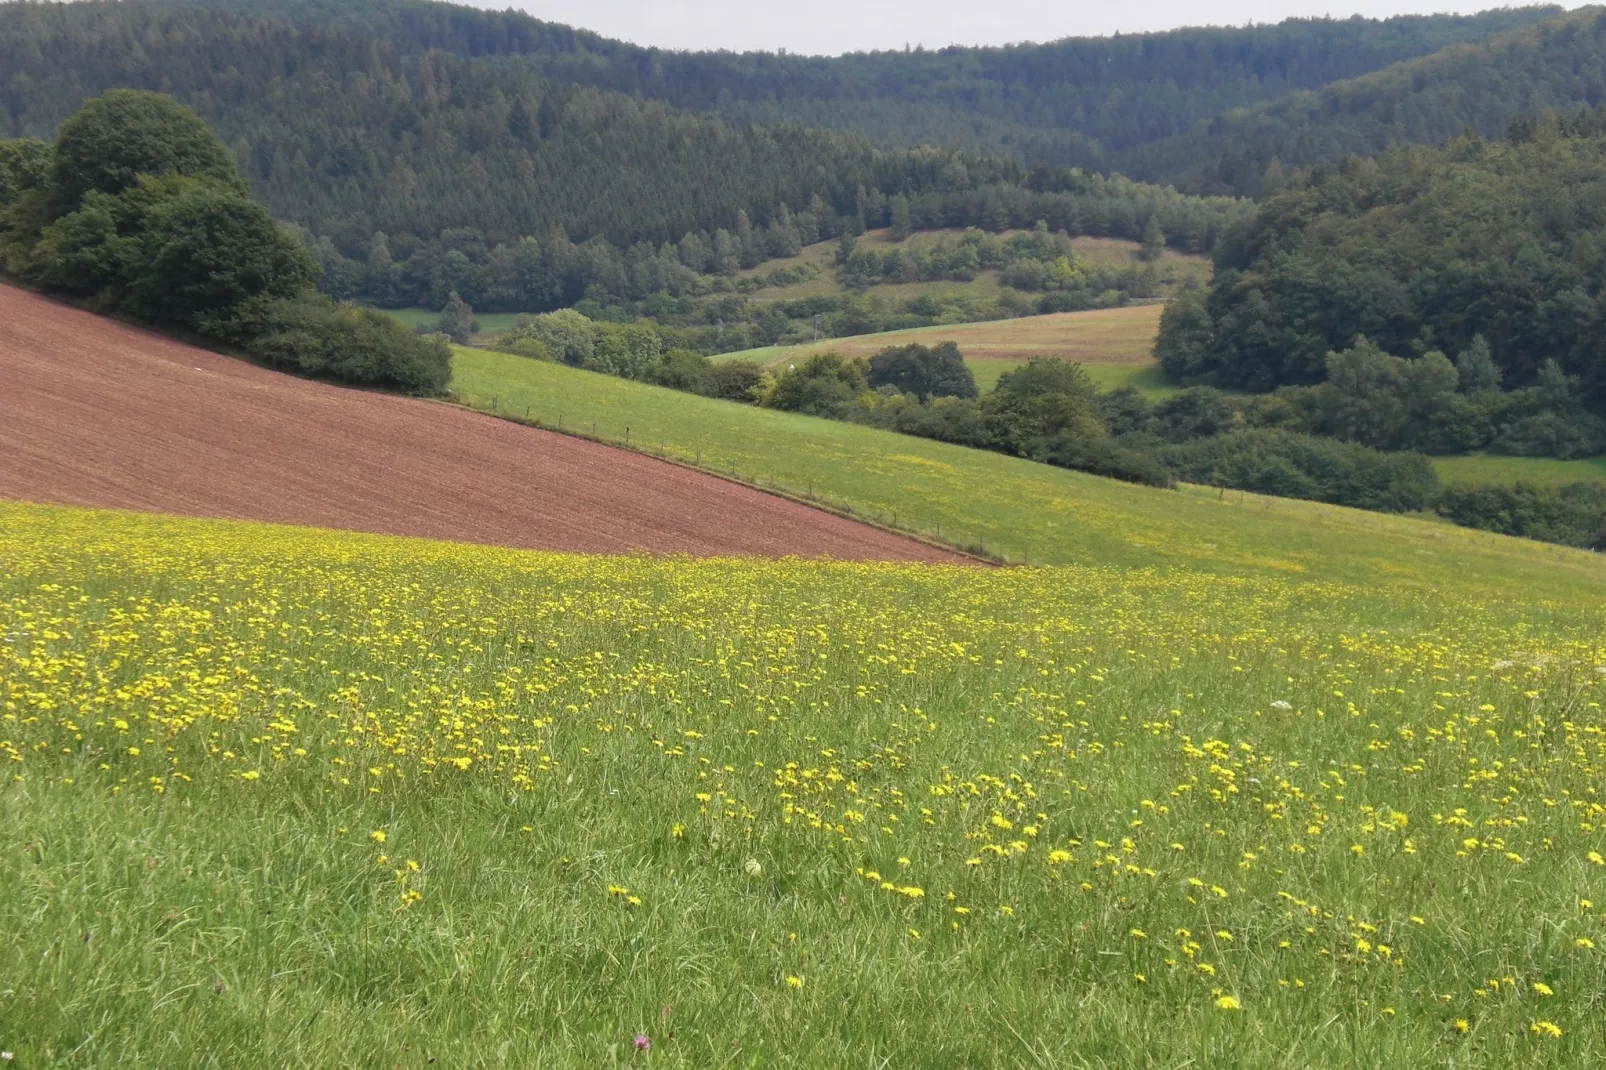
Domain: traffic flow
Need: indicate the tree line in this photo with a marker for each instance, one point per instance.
(138, 210)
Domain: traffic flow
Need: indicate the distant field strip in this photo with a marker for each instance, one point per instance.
(1014, 507)
(1542, 471)
(1104, 336)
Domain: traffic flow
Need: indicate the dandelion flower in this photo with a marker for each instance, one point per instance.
(1228, 1003)
(794, 982)
(1545, 1029)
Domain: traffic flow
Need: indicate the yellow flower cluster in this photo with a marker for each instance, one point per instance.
(1229, 790)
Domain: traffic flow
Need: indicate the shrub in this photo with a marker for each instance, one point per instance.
(1294, 465)
(172, 250)
(681, 369)
(924, 371)
(732, 380)
(823, 385)
(1574, 514)
(565, 335)
(315, 336)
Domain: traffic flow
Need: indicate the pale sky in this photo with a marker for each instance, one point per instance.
(833, 26)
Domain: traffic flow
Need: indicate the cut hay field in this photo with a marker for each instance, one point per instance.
(1114, 345)
(1016, 508)
(99, 413)
(278, 796)
(1103, 336)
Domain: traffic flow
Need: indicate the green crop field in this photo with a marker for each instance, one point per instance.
(1543, 471)
(1015, 508)
(277, 796)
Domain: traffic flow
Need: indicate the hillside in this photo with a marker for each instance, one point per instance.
(1557, 65)
(102, 414)
(1421, 249)
(1081, 101)
(465, 154)
(1016, 508)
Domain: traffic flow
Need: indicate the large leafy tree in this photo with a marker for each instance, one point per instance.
(117, 137)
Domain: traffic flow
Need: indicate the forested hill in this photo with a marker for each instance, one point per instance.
(1557, 65)
(350, 134)
(1082, 101)
(1498, 247)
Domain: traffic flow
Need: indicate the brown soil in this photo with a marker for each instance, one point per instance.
(97, 413)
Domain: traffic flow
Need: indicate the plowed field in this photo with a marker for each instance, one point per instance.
(94, 412)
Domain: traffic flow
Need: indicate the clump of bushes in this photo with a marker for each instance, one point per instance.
(138, 210)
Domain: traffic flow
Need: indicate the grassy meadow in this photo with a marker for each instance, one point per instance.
(1542, 471)
(1015, 508)
(490, 322)
(287, 797)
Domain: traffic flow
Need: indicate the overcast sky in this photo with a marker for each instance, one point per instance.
(834, 26)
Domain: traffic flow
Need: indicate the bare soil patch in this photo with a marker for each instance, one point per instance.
(97, 413)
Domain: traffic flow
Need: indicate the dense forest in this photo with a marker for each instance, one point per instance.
(1557, 65)
(1418, 250)
(355, 138)
(1081, 101)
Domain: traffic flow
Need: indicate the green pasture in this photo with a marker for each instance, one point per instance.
(490, 322)
(1542, 471)
(1014, 508)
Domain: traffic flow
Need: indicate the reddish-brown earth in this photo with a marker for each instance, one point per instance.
(97, 413)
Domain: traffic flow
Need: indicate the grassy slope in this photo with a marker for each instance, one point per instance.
(277, 796)
(1544, 471)
(1016, 507)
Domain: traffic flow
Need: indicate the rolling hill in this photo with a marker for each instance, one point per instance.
(1081, 101)
(1014, 508)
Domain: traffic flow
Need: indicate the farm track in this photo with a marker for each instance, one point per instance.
(97, 413)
